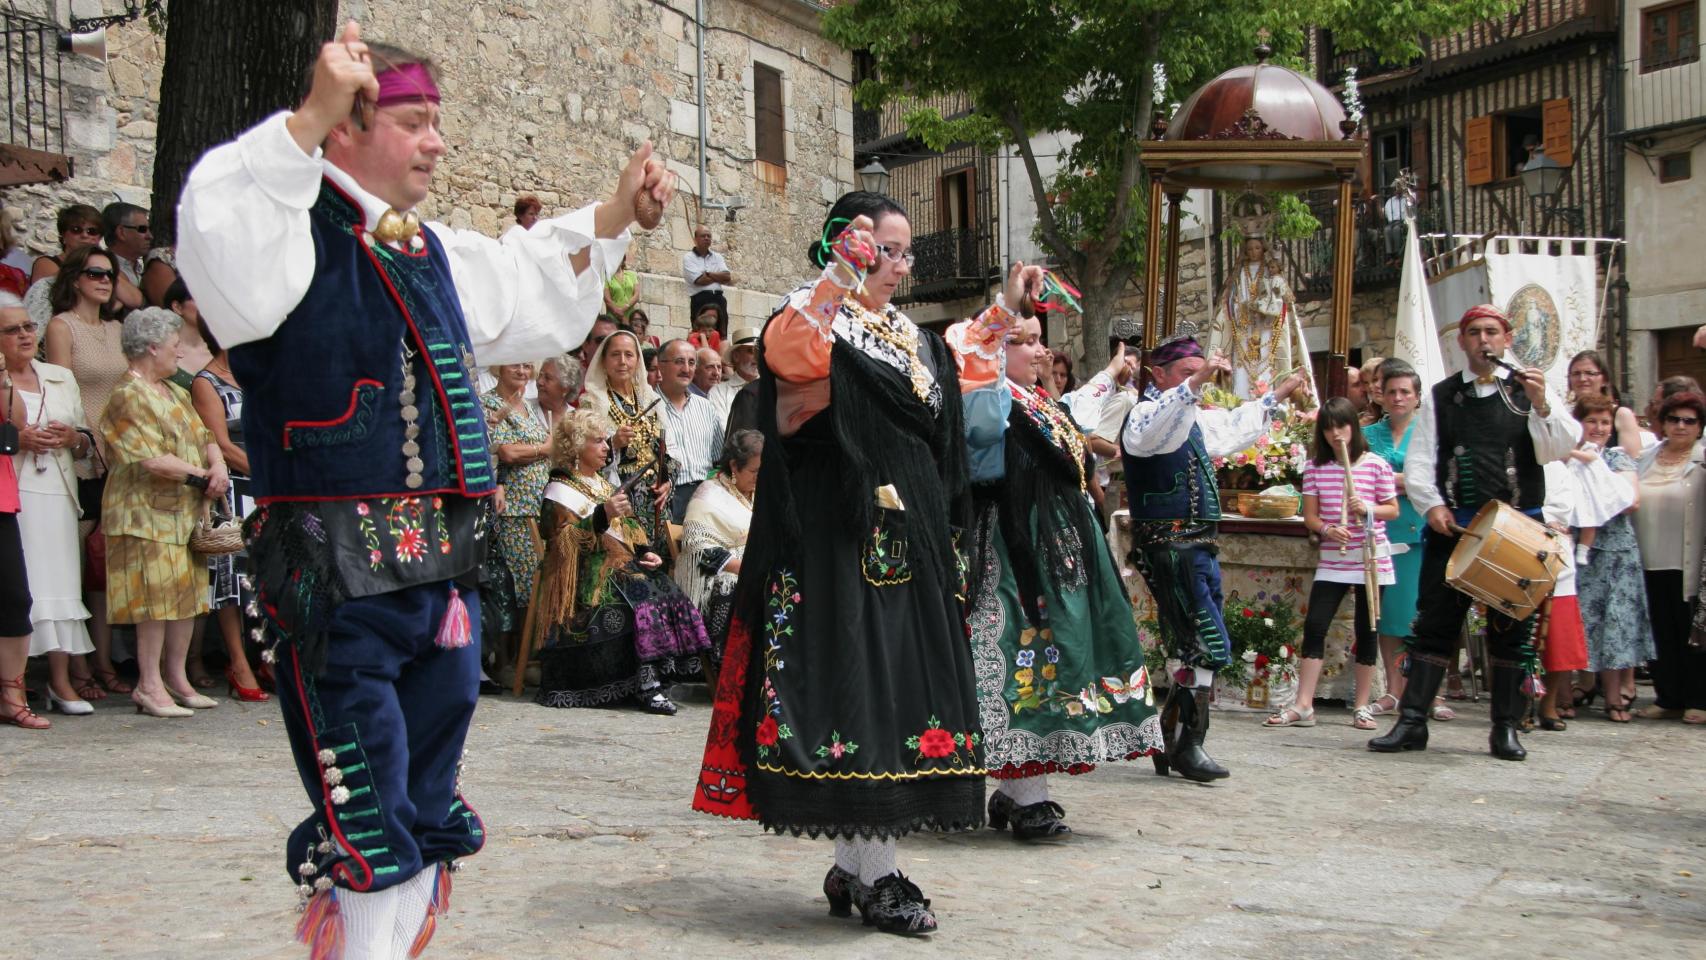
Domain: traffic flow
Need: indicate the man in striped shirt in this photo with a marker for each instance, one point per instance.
(692, 429)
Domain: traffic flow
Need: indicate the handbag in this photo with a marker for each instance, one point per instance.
(95, 562)
(216, 537)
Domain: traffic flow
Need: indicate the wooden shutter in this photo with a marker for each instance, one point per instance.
(1555, 128)
(1478, 151)
(1419, 152)
(767, 127)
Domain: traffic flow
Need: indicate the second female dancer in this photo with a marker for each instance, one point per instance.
(1060, 672)
(845, 704)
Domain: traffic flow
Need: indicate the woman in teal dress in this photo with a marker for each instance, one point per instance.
(1060, 670)
(1400, 390)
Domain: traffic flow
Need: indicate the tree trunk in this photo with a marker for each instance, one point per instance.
(229, 64)
(1098, 303)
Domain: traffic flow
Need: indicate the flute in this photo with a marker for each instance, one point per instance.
(1370, 550)
(1345, 504)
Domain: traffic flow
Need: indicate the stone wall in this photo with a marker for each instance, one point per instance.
(549, 97)
(109, 124)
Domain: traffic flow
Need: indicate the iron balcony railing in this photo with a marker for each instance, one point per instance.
(953, 263)
(1379, 252)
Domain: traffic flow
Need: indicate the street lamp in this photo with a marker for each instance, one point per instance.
(874, 177)
(1542, 178)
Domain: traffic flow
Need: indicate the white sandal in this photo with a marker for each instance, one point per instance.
(1363, 719)
(1291, 717)
(1439, 711)
(1378, 707)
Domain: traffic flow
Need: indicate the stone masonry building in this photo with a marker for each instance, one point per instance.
(548, 97)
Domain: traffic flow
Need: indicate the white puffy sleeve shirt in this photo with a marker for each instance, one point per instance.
(246, 250)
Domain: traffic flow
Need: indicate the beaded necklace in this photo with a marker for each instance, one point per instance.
(902, 336)
(1054, 422)
(642, 447)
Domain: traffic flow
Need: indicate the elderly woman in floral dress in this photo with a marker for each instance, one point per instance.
(163, 464)
(522, 443)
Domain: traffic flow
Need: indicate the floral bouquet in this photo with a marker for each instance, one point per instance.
(1264, 636)
(1278, 456)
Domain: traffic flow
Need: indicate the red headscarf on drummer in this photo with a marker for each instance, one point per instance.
(1484, 329)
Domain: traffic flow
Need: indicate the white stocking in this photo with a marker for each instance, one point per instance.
(368, 920)
(871, 860)
(1024, 791)
(414, 896)
(846, 857)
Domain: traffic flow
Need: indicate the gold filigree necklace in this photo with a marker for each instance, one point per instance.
(902, 337)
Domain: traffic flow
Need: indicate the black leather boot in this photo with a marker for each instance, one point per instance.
(1411, 730)
(1169, 731)
(1185, 753)
(1507, 713)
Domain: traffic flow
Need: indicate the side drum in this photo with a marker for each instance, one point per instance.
(1505, 560)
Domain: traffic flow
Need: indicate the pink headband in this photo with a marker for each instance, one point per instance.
(407, 83)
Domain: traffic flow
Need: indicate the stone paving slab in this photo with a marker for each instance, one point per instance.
(140, 838)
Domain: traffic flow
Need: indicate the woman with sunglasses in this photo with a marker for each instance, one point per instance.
(84, 339)
(1669, 528)
(43, 401)
(79, 227)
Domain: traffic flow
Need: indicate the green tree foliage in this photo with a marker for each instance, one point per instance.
(1085, 68)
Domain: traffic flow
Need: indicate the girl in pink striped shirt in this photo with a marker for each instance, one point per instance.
(1342, 525)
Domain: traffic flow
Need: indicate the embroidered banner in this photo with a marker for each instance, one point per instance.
(1547, 286)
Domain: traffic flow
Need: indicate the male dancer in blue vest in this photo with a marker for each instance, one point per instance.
(1166, 445)
(353, 333)
(1485, 434)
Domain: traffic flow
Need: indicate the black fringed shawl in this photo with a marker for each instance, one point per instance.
(1039, 476)
(868, 406)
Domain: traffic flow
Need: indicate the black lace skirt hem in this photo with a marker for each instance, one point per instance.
(880, 810)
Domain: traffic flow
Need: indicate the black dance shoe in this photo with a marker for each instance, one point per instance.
(1038, 821)
(843, 890)
(897, 906)
(657, 702)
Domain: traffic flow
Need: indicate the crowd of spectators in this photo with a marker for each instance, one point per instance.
(128, 425)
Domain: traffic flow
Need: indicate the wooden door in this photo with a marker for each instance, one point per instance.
(1678, 357)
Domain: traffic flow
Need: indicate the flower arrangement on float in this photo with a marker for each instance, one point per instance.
(1276, 459)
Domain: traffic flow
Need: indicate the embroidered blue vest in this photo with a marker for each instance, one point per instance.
(325, 413)
(1173, 495)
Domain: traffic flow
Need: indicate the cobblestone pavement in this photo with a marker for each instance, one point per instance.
(140, 838)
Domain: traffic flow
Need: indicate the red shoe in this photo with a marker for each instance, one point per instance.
(245, 694)
(264, 677)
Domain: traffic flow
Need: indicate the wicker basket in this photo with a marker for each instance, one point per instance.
(1270, 506)
(216, 538)
(1232, 501)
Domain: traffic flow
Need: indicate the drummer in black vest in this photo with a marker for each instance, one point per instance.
(1484, 435)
